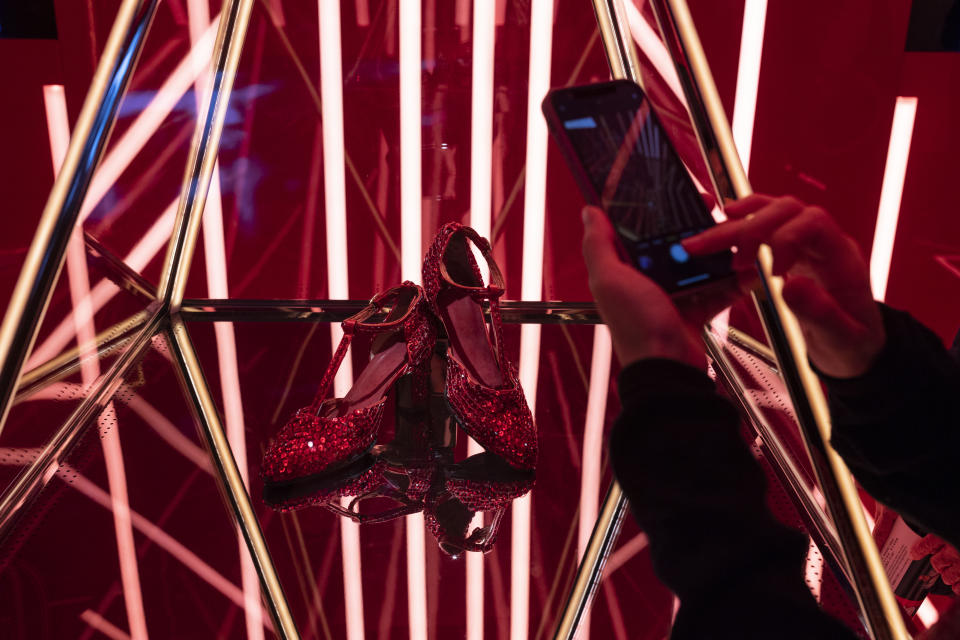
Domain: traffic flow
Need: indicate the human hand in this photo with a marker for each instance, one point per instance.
(643, 321)
(943, 558)
(826, 280)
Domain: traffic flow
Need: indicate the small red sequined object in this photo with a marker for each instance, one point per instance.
(325, 447)
(481, 384)
(483, 483)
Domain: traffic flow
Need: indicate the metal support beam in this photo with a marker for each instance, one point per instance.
(590, 571)
(44, 259)
(234, 19)
(21, 494)
(237, 497)
(238, 310)
(68, 362)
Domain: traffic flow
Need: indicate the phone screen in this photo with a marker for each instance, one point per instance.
(636, 176)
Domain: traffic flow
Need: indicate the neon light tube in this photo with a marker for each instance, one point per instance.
(891, 193)
(748, 77)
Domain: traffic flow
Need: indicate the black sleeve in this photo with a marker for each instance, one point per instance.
(898, 426)
(699, 495)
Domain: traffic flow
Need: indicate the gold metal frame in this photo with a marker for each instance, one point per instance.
(167, 311)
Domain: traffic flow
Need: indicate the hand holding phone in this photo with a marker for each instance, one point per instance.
(643, 321)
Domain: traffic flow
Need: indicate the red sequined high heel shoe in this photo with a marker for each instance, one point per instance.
(482, 386)
(323, 451)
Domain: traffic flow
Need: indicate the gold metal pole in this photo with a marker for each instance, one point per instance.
(203, 151)
(20, 495)
(44, 259)
(706, 111)
(68, 362)
(208, 419)
(881, 612)
(276, 310)
(118, 271)
(590, 572)
(617, 41)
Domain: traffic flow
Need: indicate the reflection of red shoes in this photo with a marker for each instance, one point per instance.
(330, 438)
(482, 387)
(481, 483)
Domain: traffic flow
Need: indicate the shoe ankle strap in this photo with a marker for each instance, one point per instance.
(357, 322)
(492, 291)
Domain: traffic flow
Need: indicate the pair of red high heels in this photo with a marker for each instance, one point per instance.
(328, 450)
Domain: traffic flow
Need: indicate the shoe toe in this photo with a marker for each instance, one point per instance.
(309, 444)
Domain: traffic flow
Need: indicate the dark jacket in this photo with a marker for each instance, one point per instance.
(699, 494)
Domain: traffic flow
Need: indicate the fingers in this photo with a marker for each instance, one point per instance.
(599, 243)
(745, 206)
(926, 546)
(746, 233)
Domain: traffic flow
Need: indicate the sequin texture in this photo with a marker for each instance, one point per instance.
(309, 444)
(497, 418)
(320, 438)
(487, 495)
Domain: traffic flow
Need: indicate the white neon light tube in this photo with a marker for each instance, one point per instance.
(748, 78)
(891, 193)
(541, 42)
(83, 315)
(411, 198)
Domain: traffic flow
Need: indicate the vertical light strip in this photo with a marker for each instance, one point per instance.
(481, 117)
(901, 134)
(215, 259)
(748, 77)
(335, 217)
(534, 204)
(83, 315)
(481, 169)
(334, 178)
(475, 569)
(481, 143)
(593, 435)
(411, 203)
(593, 447)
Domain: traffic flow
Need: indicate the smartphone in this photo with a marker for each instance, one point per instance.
(624, 163)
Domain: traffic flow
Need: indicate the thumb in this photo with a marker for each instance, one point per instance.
(599, 241)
